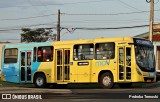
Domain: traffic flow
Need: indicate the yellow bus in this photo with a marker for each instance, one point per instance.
(105, 61)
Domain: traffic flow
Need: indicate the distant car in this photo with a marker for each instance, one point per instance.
(158, 75)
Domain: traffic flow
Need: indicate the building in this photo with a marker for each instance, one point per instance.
(156, 43)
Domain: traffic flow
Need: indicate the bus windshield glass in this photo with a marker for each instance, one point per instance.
(145, 56)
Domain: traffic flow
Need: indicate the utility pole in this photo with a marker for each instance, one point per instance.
(58, 26)
(151, 19)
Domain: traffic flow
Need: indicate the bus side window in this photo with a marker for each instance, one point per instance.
(45, 54)
(128, 56)
(11, 55)
(105, 51)
(34, 54)
(83, 52)
(39, 54)
(121, 55)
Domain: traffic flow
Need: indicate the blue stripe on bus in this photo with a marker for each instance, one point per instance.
(35, 66)
(12, 72)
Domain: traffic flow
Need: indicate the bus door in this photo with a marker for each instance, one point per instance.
(62, 65)
(124, 64)
(25, 66)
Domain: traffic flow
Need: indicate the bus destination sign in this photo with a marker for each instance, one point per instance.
(142, 42)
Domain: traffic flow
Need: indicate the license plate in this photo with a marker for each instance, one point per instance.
(152, 74)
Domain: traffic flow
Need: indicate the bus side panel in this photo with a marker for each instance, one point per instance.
(44, 67)
(103, 65)
(35, 66)
(11, 72)
(48, 69)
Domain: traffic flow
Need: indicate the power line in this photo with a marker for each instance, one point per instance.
(105, 14)
(83, 28)
(91, 1)
(156, 2)
(45, 6)
(113, 28)
(19, 28)
(128, 5)
(87, 14)
(29, 25)
(148, 1)
(30, 2)
(70, 14)
(59, 4)
(132, 6)
(27, 17)
(107, 21)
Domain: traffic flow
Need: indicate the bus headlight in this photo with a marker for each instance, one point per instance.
(138, 72)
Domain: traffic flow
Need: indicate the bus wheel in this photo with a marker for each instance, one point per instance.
(106, 80)
(40, 81)
(125, 85)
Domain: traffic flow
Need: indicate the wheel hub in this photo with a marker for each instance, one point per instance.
(106, 81)
(39, 81)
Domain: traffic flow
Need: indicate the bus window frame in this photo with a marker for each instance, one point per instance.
(34, 54)
(114, 50)
(86, 51)
(52, 55)
(16, 56)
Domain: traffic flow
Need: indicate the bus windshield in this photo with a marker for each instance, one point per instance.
(145, 57)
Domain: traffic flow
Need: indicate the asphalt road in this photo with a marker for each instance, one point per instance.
(141, 93)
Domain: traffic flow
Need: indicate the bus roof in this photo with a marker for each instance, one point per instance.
(64, 42)
(128, 39)
(28, 44)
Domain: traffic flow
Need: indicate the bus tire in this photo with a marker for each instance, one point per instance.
(106, 80)
(40, 81)
(125, 85)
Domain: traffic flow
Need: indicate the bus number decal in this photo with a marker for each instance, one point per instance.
(83, 63)
(102, 63)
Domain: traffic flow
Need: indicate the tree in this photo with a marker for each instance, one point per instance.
(37, 35)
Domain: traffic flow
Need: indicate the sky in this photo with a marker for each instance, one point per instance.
(17, 14)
